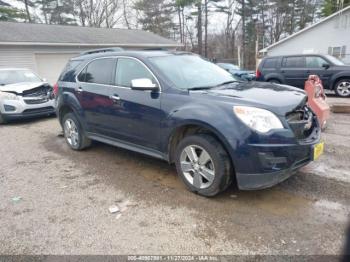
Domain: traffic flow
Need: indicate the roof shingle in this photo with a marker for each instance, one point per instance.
(12, 32)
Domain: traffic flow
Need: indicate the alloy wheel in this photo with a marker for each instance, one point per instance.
(71, 132)
(197, 166)
(343, 88)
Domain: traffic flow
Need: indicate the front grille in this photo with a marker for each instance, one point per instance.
(303, 122)
(48, 109)
(39, 100)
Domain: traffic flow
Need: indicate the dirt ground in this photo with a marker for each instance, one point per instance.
(55, 201)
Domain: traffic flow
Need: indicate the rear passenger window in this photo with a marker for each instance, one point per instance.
(293, 62)
(270, 63)
(99, 71)
(68, 72)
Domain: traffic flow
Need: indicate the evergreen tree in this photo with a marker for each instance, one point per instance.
(10, 13)
(331, 6)
(57, 11)
(156, 16)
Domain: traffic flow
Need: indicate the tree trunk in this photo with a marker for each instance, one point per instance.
(27, 11)
(125, 14)
(183, 26)
(199, 28)
(206, 30)
(243, 35)
(180, 24)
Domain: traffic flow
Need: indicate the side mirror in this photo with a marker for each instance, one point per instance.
(143, 84)
(326, 66)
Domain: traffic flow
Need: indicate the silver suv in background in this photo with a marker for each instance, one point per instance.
(23, 94)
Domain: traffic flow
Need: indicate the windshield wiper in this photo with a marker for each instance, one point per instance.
(210, 87)
(201, 88)
(226, 83)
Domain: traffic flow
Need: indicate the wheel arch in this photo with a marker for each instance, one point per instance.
(275, 76)
(337, 78)
(192, 128)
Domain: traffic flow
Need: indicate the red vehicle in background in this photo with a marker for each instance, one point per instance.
(317, 99)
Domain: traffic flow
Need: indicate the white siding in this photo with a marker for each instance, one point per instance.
(17, 58)
(50, 65)
(332, 33)
(46, 61)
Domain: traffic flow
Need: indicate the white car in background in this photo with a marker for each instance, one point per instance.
(23, 94)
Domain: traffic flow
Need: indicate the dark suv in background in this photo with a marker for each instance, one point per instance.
(180, 108)
(294, 70)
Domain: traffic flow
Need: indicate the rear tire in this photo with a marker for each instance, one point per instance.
(342, 87)
(74, 134)
(203, 165)
(274, 81)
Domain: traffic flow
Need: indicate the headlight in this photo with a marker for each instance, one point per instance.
(258, 119)
(8, 96)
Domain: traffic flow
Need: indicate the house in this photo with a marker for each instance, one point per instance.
(329, 36)
(46, 48)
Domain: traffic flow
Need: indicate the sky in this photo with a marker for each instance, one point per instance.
(216, 20)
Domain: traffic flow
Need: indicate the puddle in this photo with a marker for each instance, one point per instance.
(276, 202)
(332, 210)
(164, 176)
(321, 169)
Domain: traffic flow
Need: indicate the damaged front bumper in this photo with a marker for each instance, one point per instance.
(277, 165)
(26, 107)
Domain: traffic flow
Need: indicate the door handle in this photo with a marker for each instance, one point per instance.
(115, 97)
(79, 89)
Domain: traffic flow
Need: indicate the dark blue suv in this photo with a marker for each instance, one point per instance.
(178, 107)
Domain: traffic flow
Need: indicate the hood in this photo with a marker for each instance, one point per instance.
(19, 88)
(280, 99)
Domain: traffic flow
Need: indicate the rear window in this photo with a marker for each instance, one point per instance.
(100, 71)
(293, 62)
(68, 71)
(270, 63)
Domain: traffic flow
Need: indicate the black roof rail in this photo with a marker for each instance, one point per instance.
(154, 49)
(102, 50)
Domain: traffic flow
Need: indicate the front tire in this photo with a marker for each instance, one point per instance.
(342, 88)
(203, 165)
(73, 133)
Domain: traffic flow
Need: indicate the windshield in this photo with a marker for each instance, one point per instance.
(334, 60)
(8, 77)
(190, 72)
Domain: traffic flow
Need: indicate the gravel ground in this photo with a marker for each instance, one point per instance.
(56, 201)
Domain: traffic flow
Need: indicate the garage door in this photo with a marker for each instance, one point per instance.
(50, 66)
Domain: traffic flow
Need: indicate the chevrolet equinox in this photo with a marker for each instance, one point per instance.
(180, 108)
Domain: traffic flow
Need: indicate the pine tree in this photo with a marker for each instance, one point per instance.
(331, 6)
(156, 16)
(10, 13)
(57, 11)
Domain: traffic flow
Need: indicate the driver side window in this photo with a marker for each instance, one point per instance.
(315, 62)
(129, 69)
